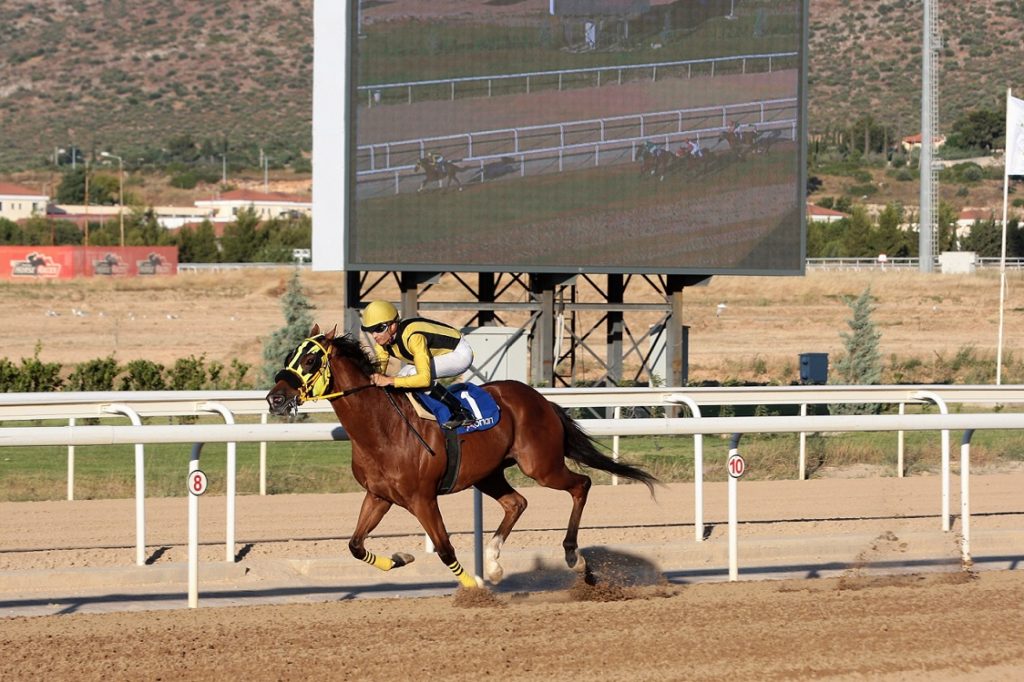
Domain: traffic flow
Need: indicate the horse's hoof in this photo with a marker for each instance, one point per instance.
(495, 574)
(402, 559)
(575, 561)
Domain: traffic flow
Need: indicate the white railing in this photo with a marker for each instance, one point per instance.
(402, 155)
(557, 78)
(898, 264)
(233, 433)
(73, 406)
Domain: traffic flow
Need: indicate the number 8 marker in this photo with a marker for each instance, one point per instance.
(197, 482)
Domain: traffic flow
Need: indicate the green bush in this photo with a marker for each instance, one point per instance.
(36, 375)
(94, 375)
(143, 375)
(188, 374)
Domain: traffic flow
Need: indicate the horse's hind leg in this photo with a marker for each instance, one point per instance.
(560, 477)
(429, 516)
(373, 510)
(497, 486)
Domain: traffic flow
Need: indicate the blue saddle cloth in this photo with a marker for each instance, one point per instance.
(474, 398)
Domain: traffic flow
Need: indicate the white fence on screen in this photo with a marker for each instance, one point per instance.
(597, 76)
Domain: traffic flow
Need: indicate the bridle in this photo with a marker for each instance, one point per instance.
(314, 384)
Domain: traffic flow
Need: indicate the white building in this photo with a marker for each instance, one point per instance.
(18, 202)
(226, 206)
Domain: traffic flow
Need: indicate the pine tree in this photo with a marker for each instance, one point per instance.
(298, 320)
(862, 363)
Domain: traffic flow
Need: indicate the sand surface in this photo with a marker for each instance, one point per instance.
(648, 617)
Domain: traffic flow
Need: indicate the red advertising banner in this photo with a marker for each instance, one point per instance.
(34, 263)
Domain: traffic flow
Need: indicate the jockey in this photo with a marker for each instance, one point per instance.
(653, 148)
(693, 148)
(438, 160)
(430, 350)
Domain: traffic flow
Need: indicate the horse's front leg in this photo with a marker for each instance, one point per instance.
(497, 486)
(429, 516)
(373, 510)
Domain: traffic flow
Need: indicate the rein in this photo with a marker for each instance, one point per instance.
(336, 394)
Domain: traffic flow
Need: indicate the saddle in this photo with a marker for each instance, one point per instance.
(478, 402)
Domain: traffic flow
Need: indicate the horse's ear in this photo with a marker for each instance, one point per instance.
(314, 331)
(329, 336)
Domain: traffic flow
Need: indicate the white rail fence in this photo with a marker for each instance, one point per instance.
(83, 405)
(402, 155)
(529, 81)
(899, 264)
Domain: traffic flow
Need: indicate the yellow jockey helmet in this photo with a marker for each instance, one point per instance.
(378, 312)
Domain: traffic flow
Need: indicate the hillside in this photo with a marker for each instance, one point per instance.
(237, 75)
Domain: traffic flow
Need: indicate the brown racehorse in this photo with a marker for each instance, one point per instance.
(741, 142)
(749, 141)
(432, 171)
(654, 161)
(400, 458)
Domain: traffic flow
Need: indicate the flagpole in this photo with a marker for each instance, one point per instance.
(1002, 258)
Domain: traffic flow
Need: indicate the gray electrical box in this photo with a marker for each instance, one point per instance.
(498, 353)
(814, 368)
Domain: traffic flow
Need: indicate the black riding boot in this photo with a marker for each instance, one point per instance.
(460, 415)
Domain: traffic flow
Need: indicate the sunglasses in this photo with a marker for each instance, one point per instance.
(377, 328)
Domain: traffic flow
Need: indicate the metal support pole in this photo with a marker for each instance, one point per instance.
(478, 532)
(943, 409)
(965, 499)
(614, 328)
(263, 459)
(71, 466)
(140, 482)
(803, 446)
(230, 473)
(193, 532)
(734, 570)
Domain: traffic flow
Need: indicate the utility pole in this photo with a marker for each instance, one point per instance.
(120, 189)
(927, 228)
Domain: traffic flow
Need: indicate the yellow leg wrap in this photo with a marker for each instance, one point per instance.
(465, 579)
(382, 562)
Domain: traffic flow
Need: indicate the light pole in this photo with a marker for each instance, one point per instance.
(223, 169)
(120, 189)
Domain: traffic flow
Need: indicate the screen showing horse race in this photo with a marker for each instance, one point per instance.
(602, 136)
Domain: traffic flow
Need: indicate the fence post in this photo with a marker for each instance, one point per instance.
(263, 459)
(803, 446)
(229, 484)
(735, 468)
(935, 398)
(140, 482)
(899, 444)
(965, 499)
(71, 466)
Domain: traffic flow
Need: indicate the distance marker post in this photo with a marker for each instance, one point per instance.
(736, 467)
(196, 484)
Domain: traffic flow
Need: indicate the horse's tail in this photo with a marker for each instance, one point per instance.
(581, 448)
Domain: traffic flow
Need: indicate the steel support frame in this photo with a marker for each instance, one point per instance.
(538, 300)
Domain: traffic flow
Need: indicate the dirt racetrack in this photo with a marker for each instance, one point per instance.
(932, 628)
(929, 620)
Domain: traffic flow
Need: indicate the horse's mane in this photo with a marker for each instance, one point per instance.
(349, 348)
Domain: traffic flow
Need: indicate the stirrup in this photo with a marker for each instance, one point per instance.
(455, 421)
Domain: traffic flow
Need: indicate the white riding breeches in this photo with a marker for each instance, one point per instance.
(448, 365)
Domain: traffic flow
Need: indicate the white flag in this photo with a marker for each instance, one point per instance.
(1014, 136)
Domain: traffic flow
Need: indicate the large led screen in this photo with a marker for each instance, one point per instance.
(631, 136)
